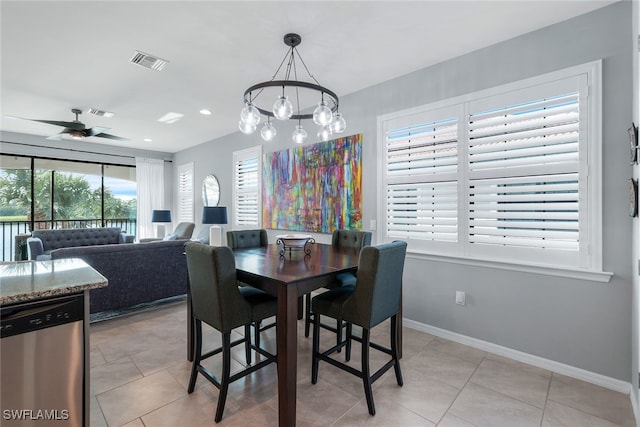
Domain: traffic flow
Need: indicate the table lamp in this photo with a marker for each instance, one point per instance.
(161, 216)
(214, 215)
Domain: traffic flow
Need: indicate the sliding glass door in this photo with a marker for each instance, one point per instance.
(38, 193)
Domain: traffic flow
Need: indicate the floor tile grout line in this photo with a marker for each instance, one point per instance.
(460, 391)
(546, 399)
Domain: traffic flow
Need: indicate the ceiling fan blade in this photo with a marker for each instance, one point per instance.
(70, 125)
(94, 131)
(109, 136)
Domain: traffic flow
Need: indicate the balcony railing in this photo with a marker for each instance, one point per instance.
(10, 229)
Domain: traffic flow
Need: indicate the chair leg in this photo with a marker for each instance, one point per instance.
(197, 353)
(256, 332)
(247, 343)
(347, 355)
(339, 333)
(226, 373)
(315, 361)
(366, 376)
(394, 349)
(307, 315)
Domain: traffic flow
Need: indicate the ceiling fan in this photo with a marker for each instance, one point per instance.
(76, 129)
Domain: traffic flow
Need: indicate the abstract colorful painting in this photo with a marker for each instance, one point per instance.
(314, 188)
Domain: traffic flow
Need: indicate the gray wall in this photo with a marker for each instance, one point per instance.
(580, 323)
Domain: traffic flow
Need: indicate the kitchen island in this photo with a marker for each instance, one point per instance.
(44, 332)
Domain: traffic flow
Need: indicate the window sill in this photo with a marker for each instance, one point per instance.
(594, 276)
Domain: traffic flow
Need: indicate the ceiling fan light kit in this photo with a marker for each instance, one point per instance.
(326, 114)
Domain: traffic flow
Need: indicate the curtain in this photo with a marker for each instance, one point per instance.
(150, 187)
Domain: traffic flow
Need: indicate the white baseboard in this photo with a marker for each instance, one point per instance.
(553, 366)
(634, 405)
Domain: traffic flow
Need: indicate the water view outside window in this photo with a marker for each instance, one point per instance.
(66, 195)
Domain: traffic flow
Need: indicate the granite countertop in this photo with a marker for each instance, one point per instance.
(30, 280)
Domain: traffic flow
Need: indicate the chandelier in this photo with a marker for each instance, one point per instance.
(326, 114)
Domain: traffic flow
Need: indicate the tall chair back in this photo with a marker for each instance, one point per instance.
(379, 285)
(351, 238)
(239, 239)
(215, 297)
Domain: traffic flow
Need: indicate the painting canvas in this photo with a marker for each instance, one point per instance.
(314, 188)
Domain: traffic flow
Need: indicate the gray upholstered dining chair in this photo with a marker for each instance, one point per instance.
(375, 297)
(218, 301)
(243, 239)
(343, 239)
(238, 239)
(183, 231)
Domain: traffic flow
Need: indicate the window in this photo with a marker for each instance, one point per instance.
(509, 174)
(185, 192)
(66, 194)
(247, 173)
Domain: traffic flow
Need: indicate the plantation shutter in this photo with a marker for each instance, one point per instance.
(421, 165)
(247, 202)
(524, 171)
(185, 193)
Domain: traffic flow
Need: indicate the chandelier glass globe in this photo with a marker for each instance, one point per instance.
(246, 128)
(268, 132)
(324, 134)
(322, 115)
(282, 108)
(299, 135)
(338, 125)
(250, 114)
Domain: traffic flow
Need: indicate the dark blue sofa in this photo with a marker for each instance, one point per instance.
(42, 242)
(138, 273)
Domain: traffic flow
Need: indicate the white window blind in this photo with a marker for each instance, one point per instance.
(185, 193)
(421, 164)
(502, 174)
(528, 155)
(247, 204)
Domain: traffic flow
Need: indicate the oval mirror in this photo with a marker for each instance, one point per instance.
(210, 191)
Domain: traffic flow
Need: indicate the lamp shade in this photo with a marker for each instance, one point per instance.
(161, 216)
(214, 215)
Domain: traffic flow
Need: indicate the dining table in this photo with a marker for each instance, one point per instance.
(289, 274)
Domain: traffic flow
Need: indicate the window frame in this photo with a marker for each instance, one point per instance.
(240, 155)
(185, 197)
(590, 169)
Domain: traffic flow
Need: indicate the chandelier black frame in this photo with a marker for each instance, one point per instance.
(329, 99)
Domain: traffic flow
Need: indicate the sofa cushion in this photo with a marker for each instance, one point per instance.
(55, 239)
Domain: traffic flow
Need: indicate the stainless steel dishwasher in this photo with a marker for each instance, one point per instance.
(42, 363)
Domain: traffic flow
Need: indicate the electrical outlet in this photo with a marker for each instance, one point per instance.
(460, 298)
(372, 225)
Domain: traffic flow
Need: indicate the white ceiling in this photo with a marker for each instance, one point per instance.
(58, 55)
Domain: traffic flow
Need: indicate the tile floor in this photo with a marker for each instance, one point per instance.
(139, 375)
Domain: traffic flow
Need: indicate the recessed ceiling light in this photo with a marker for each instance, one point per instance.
(205, 112)
(147, 140)
(170, 118)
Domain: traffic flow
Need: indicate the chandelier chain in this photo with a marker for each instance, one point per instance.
(305, 67)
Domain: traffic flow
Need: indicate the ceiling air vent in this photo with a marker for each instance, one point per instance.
(148, 61)
(100, 113)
